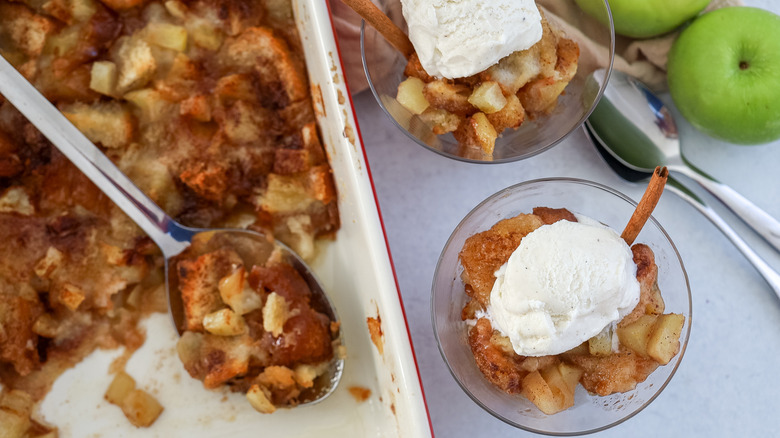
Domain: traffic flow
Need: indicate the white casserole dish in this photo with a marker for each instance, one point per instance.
(355, 269)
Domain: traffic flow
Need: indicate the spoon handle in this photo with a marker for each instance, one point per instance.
(87, 157)
(770, 275)
(764, 224)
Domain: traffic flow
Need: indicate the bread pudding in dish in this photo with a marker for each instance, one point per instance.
(205, 105)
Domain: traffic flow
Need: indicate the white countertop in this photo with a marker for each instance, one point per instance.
(727, 383)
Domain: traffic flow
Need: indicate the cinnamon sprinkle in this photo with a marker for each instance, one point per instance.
(646, 205)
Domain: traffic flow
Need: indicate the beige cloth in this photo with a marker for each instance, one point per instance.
(644, 59)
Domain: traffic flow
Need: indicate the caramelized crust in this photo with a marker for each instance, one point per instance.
(552, 215)
(484, 253)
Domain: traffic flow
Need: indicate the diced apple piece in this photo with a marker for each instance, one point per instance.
(488, 97)
(536, 389)
(13, 424)
(169, 36)
(259, 400)
(224, 322)
(560, 388)
(236, 292)
(664, 341)
(103, 77)
(571, 374)
(141, 408)
(601, 344)
(275, 313)
(636, 334)
(204, 34)
(149, 101)
(119, 388)
(410, 95)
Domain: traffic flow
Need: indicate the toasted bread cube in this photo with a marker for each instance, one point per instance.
(636, 335)
(224, 322)
(238, 294)
(103, 77)
(259, 400)
(488, 97)
(234, 87)
(477, 131)
(451, 97)
(276, 312)
(654, 302)
(141, 408)
(410, 95)
(441, 121)
(119, 388)
(15, 200)
(197, 107)
(601, 344)
(512, 115)
(541, 96)
(135, 62)
(233, 353)
(166, 35)
(71, 296)
(258, 47)
(515, 70)
(109, 123)
(664, 341)
(27, 30)
(198, 283)
(536, 389)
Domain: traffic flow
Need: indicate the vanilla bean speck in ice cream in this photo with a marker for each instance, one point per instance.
(459, 38)
(564, 284)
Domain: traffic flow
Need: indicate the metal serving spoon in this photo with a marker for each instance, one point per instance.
(172, 237)
(770, 275)
(637, 128)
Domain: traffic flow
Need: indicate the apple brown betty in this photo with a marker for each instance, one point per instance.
(478, 108)
(205, 105)
(647, 336)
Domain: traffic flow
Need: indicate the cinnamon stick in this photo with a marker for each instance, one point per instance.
(646, 205)
(382, 23)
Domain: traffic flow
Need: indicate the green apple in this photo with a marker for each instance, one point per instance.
(724, 74)
(645, 18)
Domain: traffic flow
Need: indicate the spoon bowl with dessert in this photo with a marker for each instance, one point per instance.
(550, 319)
(485, 82)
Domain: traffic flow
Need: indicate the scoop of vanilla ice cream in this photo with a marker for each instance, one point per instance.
(564, 284)
(459, 38)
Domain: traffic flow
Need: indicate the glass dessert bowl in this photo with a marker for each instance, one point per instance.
(385, 70)
(590, 412)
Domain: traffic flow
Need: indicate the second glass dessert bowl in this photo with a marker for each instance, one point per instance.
(384, 68)
(590, 413)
